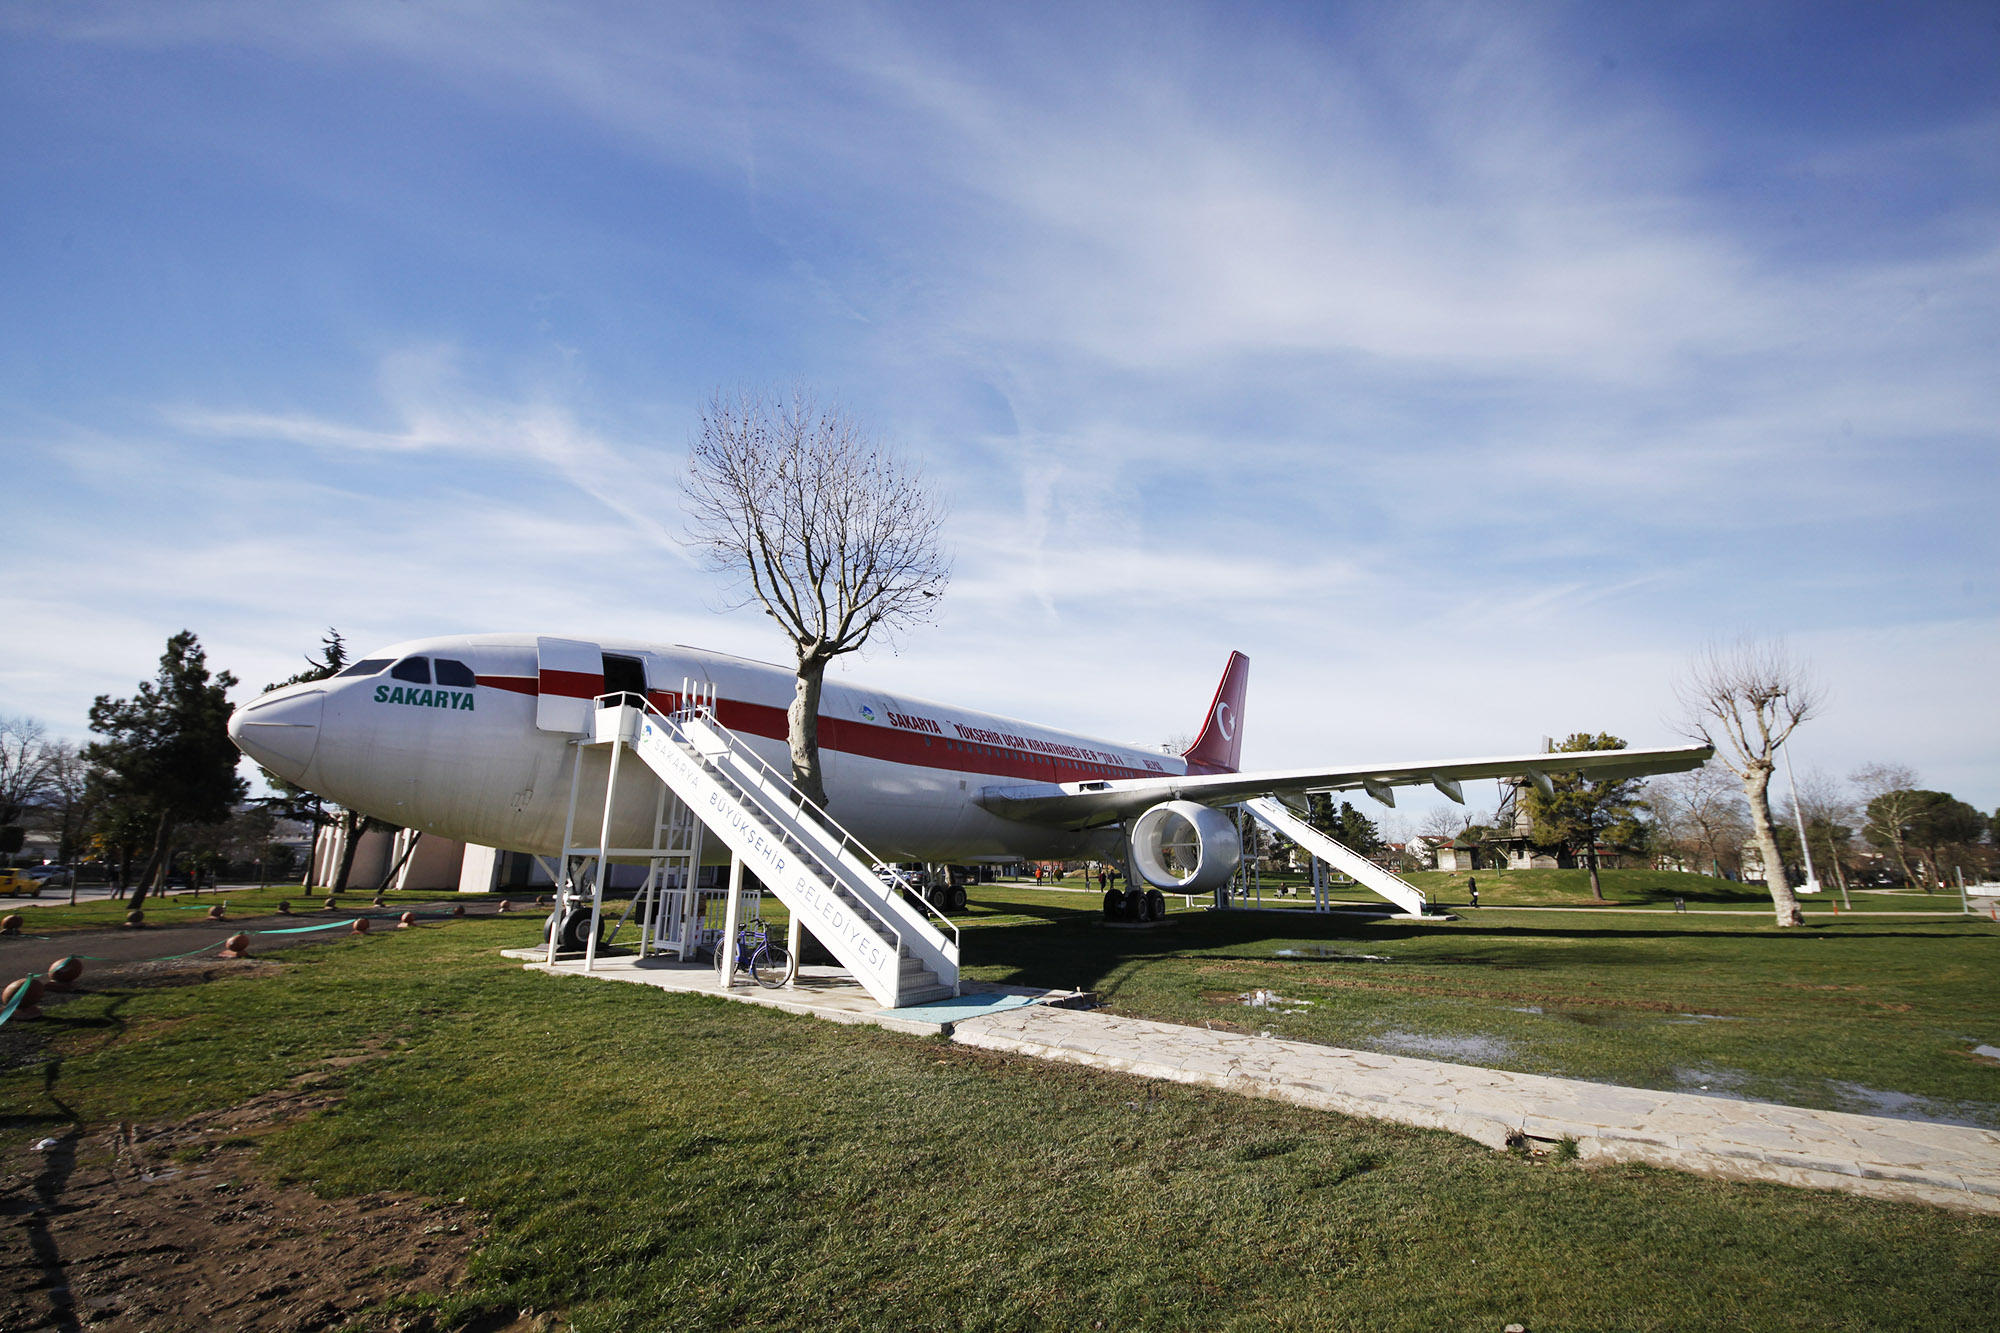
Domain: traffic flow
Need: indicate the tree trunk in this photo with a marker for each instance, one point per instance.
(1833, 855)
(802, 722)
(154, 862)
(351, 825)
(1757, 787)
(1590, 856)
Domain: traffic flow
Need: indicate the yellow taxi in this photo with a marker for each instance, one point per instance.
(15, 882)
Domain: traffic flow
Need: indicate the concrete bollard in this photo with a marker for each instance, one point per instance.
(331, 903)
(65, 973)
(378, 901)
(360, 925)
(405, 921)
(215, 912)
(30, 1002)
(236, 946)
(506, 905)
(284, 907)
(135, 917)
(458, 909)
(10, 924)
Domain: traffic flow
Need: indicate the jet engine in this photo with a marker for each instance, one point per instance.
(1185, 847)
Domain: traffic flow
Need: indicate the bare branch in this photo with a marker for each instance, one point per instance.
(831, 533)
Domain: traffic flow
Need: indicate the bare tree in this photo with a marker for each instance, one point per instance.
(1700, 814)
(829, 531)
(1828, 819)
(1890, 800)
(1754, 695)
(24, 778)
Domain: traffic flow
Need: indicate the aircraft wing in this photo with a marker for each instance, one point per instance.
(1079, 805)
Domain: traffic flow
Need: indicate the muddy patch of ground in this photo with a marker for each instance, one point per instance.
(173, 1227)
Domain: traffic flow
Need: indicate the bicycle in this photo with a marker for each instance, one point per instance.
(767, 960)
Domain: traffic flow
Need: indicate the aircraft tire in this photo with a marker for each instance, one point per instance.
(955, 898)
(1114, 904)
(1135, 905)
(573, 935)
(1156, 905)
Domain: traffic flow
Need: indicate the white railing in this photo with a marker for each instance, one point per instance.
(839, 841)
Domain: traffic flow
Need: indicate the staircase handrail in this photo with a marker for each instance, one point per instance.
(808, 808)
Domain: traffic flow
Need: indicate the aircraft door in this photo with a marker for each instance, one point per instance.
(625, 675)
(572, 674)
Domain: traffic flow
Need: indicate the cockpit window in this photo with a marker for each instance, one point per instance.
(367, 666)
(416, 670)
(454, 673)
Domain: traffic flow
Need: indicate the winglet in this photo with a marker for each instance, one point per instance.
(1219, 747)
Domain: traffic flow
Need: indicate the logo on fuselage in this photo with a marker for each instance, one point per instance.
(1225, 719)
(456, 700)
(867, 712)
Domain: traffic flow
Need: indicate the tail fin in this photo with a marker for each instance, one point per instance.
(1219, 747)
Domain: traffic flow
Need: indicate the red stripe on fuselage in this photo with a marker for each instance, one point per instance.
(890, 744)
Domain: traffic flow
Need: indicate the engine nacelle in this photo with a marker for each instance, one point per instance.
(1185, 847)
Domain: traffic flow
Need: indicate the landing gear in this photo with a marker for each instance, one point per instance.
(1135, 905)
(573, 935)
(954, 898)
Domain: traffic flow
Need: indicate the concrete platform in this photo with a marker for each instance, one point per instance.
(819, 991)
(1905, 1160)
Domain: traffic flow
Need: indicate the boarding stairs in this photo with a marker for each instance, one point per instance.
(896, 945)
(1275, 814)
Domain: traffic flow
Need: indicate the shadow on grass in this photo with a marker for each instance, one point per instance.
(1075, 948)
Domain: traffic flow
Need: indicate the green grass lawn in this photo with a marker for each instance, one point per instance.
(1847, 1013)
(654, 1161)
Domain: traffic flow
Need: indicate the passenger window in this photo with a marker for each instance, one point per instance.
(416, 670)
(454, 673)
(367, 667)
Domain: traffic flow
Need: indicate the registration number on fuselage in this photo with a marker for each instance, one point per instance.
(457, 700)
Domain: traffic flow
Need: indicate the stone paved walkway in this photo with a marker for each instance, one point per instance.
(1949, 1165)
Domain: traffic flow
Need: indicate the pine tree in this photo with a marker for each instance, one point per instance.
(1578, 813)
(166, 752)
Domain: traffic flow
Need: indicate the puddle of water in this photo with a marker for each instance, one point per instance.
(1705, 1018)
(1268, 999)
(1327, 951)
(1987, 1052)
(1450, 1048)
(1894, 1105)
(1590, 1018)
(1714, 1082)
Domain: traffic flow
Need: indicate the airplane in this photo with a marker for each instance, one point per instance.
(470, 738)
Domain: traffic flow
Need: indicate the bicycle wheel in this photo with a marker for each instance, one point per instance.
(772, 965)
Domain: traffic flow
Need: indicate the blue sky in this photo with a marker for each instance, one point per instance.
(1471, 367)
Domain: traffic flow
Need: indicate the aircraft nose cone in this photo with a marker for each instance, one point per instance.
(280, 730)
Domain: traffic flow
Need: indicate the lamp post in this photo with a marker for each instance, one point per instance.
(1805, 844)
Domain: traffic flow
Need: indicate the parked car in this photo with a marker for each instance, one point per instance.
(20, 883)
(52, 875)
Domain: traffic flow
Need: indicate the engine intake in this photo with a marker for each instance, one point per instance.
(1185, 847)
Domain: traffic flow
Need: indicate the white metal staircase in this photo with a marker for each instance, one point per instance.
(897, 946)
(1277, 815)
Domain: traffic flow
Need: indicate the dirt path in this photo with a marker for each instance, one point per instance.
(171, 1227)
(128, 1228)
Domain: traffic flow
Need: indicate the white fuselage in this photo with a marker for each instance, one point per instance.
(481, 748)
